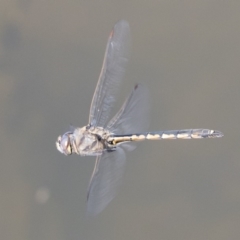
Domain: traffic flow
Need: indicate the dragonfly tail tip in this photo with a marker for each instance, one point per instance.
(217, 134)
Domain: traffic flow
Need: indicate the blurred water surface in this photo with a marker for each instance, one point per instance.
(186, 52)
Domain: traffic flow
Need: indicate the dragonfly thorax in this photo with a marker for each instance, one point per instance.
(84, 141)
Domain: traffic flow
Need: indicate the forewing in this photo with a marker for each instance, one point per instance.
(134, 115)
(112, 73)
(105, 180)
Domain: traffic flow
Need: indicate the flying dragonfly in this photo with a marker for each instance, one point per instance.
(109, 140)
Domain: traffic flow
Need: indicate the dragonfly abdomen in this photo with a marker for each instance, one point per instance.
(184, 134)
(170, 134)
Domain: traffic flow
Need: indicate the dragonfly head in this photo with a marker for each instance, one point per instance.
(64, 144)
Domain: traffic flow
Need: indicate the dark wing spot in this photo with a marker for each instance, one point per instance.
(136, 86)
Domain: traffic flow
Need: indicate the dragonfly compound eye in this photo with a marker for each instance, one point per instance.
(58, 144)
(63, 144)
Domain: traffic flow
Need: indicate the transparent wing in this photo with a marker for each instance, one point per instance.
(105, 180)
(134, 115)
(112, 73)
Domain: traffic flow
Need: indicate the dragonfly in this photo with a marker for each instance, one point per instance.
(110, 138)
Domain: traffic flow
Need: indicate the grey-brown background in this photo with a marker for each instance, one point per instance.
(186, 52)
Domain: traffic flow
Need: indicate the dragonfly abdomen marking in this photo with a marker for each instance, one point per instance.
(172, 134)
(168, 135)
(116, 139)
(184, 134)
(175, 134)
